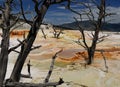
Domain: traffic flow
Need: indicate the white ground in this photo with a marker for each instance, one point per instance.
(73, 75)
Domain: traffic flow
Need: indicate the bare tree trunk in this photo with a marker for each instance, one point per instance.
(26, 48)
(91, 50)
(4, 56)
(97, 30)
(5, 42)
(51, 67)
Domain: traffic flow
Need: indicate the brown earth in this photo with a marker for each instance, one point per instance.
(110, 53)
(70, 53)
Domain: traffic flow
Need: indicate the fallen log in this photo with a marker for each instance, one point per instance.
(20, 84)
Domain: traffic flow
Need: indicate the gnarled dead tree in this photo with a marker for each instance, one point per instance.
(96, 22)
(57, 32)
(51, 67)
(6, 25)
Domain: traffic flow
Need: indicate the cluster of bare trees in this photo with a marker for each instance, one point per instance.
(40, 8)
(57, 32)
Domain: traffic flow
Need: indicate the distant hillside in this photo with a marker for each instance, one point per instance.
(88, 26)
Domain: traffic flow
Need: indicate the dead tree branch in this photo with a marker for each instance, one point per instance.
(102, 38)
(35, 47)
(44, 35)
(15, 47)
(15, 21)
(51, 67)
(83, 34)
(80, 43)
(23, 13)
(104, 61)
(18, 84)
(57, 33)
(16, 51)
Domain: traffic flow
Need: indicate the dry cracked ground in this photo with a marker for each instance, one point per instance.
(69, 64)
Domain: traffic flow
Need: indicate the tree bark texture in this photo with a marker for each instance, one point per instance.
(5, 41)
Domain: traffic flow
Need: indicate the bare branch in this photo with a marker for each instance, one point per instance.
(79, 43)
(36, 6)
(57, 33)
(91, 13)
(16, 51)
(59, 1)
(94, 2)
(51, 67)
(35, 47)
(23, 14)
(91, 37)
(15, 47)
(22, 42)
(16, 20)
(83, 34)
(76, 12)
(104, 61)
(44, 35)
(92, 34)
(104, 36)
(100, 40)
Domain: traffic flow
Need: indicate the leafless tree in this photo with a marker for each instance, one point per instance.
(51, 67)
(96, 21)
(6, 26)
(41, 6)
(57, 32)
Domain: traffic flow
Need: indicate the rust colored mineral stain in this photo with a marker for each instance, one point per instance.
(81, 56)
(19, 32)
